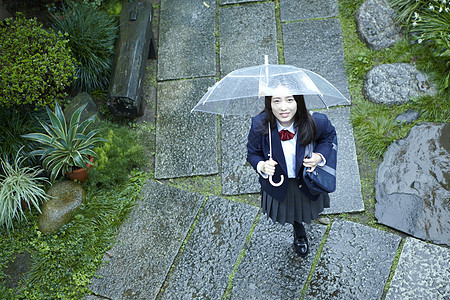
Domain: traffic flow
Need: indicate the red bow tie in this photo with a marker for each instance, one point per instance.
(286, 135)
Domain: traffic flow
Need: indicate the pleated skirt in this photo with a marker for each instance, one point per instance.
(296, 207)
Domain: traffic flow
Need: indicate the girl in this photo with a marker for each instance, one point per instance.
(293, 128)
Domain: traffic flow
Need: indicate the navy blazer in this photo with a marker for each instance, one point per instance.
(258, 150)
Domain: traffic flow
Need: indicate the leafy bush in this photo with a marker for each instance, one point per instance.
(35, 65)
(14, 124)
(116, 157)
(92, 34)
(19, 184)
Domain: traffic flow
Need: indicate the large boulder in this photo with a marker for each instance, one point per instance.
(395, 84)
(65, 197)
(412, 184)
(376, 24)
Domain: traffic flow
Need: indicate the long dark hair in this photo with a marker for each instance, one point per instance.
(303, 120)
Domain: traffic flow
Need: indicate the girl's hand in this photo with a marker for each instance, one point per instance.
(312, 162)
(268, 167)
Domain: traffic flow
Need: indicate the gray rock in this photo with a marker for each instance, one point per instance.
(78, 101)
(306, 9)
(395, 84)
(412, 184)
(347, 197)
(212, 251)
(354, 264)
(317, 45)
(4, 13)
(223, 2)
(238, 176)
(271, 269)
(186, 143)
(423, 272)
(65, 197)
(376, 25)
(147, 243)
(187, 45)
(246, 34)
(407, 117)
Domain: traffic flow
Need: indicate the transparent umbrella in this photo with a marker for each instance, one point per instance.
(242, 91)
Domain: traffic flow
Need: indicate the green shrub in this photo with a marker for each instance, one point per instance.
(116, 157)
(35, 65)
(19, 184)
(15, 123)
(92, 34)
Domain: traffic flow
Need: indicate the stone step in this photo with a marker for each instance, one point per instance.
(147, 243)
(187, 44)
(270, 268)
(186, 143)
(305, 10)
(423, 272)
(211, 252)
(354, 264)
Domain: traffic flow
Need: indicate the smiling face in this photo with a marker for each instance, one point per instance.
(284, 109)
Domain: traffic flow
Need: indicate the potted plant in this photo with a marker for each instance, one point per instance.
(66, 147)
(20, 187)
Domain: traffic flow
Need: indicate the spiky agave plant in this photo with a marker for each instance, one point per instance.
(66, 146)
(19, 184)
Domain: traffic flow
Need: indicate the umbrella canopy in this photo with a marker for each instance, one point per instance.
(238, 92)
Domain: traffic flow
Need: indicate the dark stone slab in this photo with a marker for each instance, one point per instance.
(187, 45)
(347, 197)
(395, 84)
(186, 143)
(147, 243)
(246, 34)
(271, 269)
(223, 2)
(376, 24)
(17, 270)
(354, 264)
(212, 251)
(307, 9)
(407, 117)
(423, 272)
(317, 45)
(412, 184)
(238, 176)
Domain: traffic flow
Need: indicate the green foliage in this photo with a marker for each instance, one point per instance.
(14, 124)
(65, 146)
(19, 184)
(92, 34)
(64, 263)
(35, 65)
(117, 157)
(433, 108)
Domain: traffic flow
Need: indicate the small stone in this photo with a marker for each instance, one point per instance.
(407, 117)
(65, 198)
(325, 220)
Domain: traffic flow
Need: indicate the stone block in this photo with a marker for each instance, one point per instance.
(238, 176)
(147, 243)
(212, 251)
(186, 143)
(347, 197)
(354, 264)
(187, 44)
(317, 45)
(423, 272)
(270, 268)
(307, 9)
(247, 33)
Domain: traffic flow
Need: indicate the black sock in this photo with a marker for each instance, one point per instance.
(299, 229)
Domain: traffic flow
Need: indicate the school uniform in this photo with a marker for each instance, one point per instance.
(291, 201)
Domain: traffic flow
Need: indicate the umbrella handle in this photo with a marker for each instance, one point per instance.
(276, 184)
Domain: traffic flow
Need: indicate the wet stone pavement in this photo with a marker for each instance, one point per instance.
(184, 245)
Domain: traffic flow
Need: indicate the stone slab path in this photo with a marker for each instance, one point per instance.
(182, 245)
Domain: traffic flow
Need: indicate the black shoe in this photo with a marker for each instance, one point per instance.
(301, 245)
